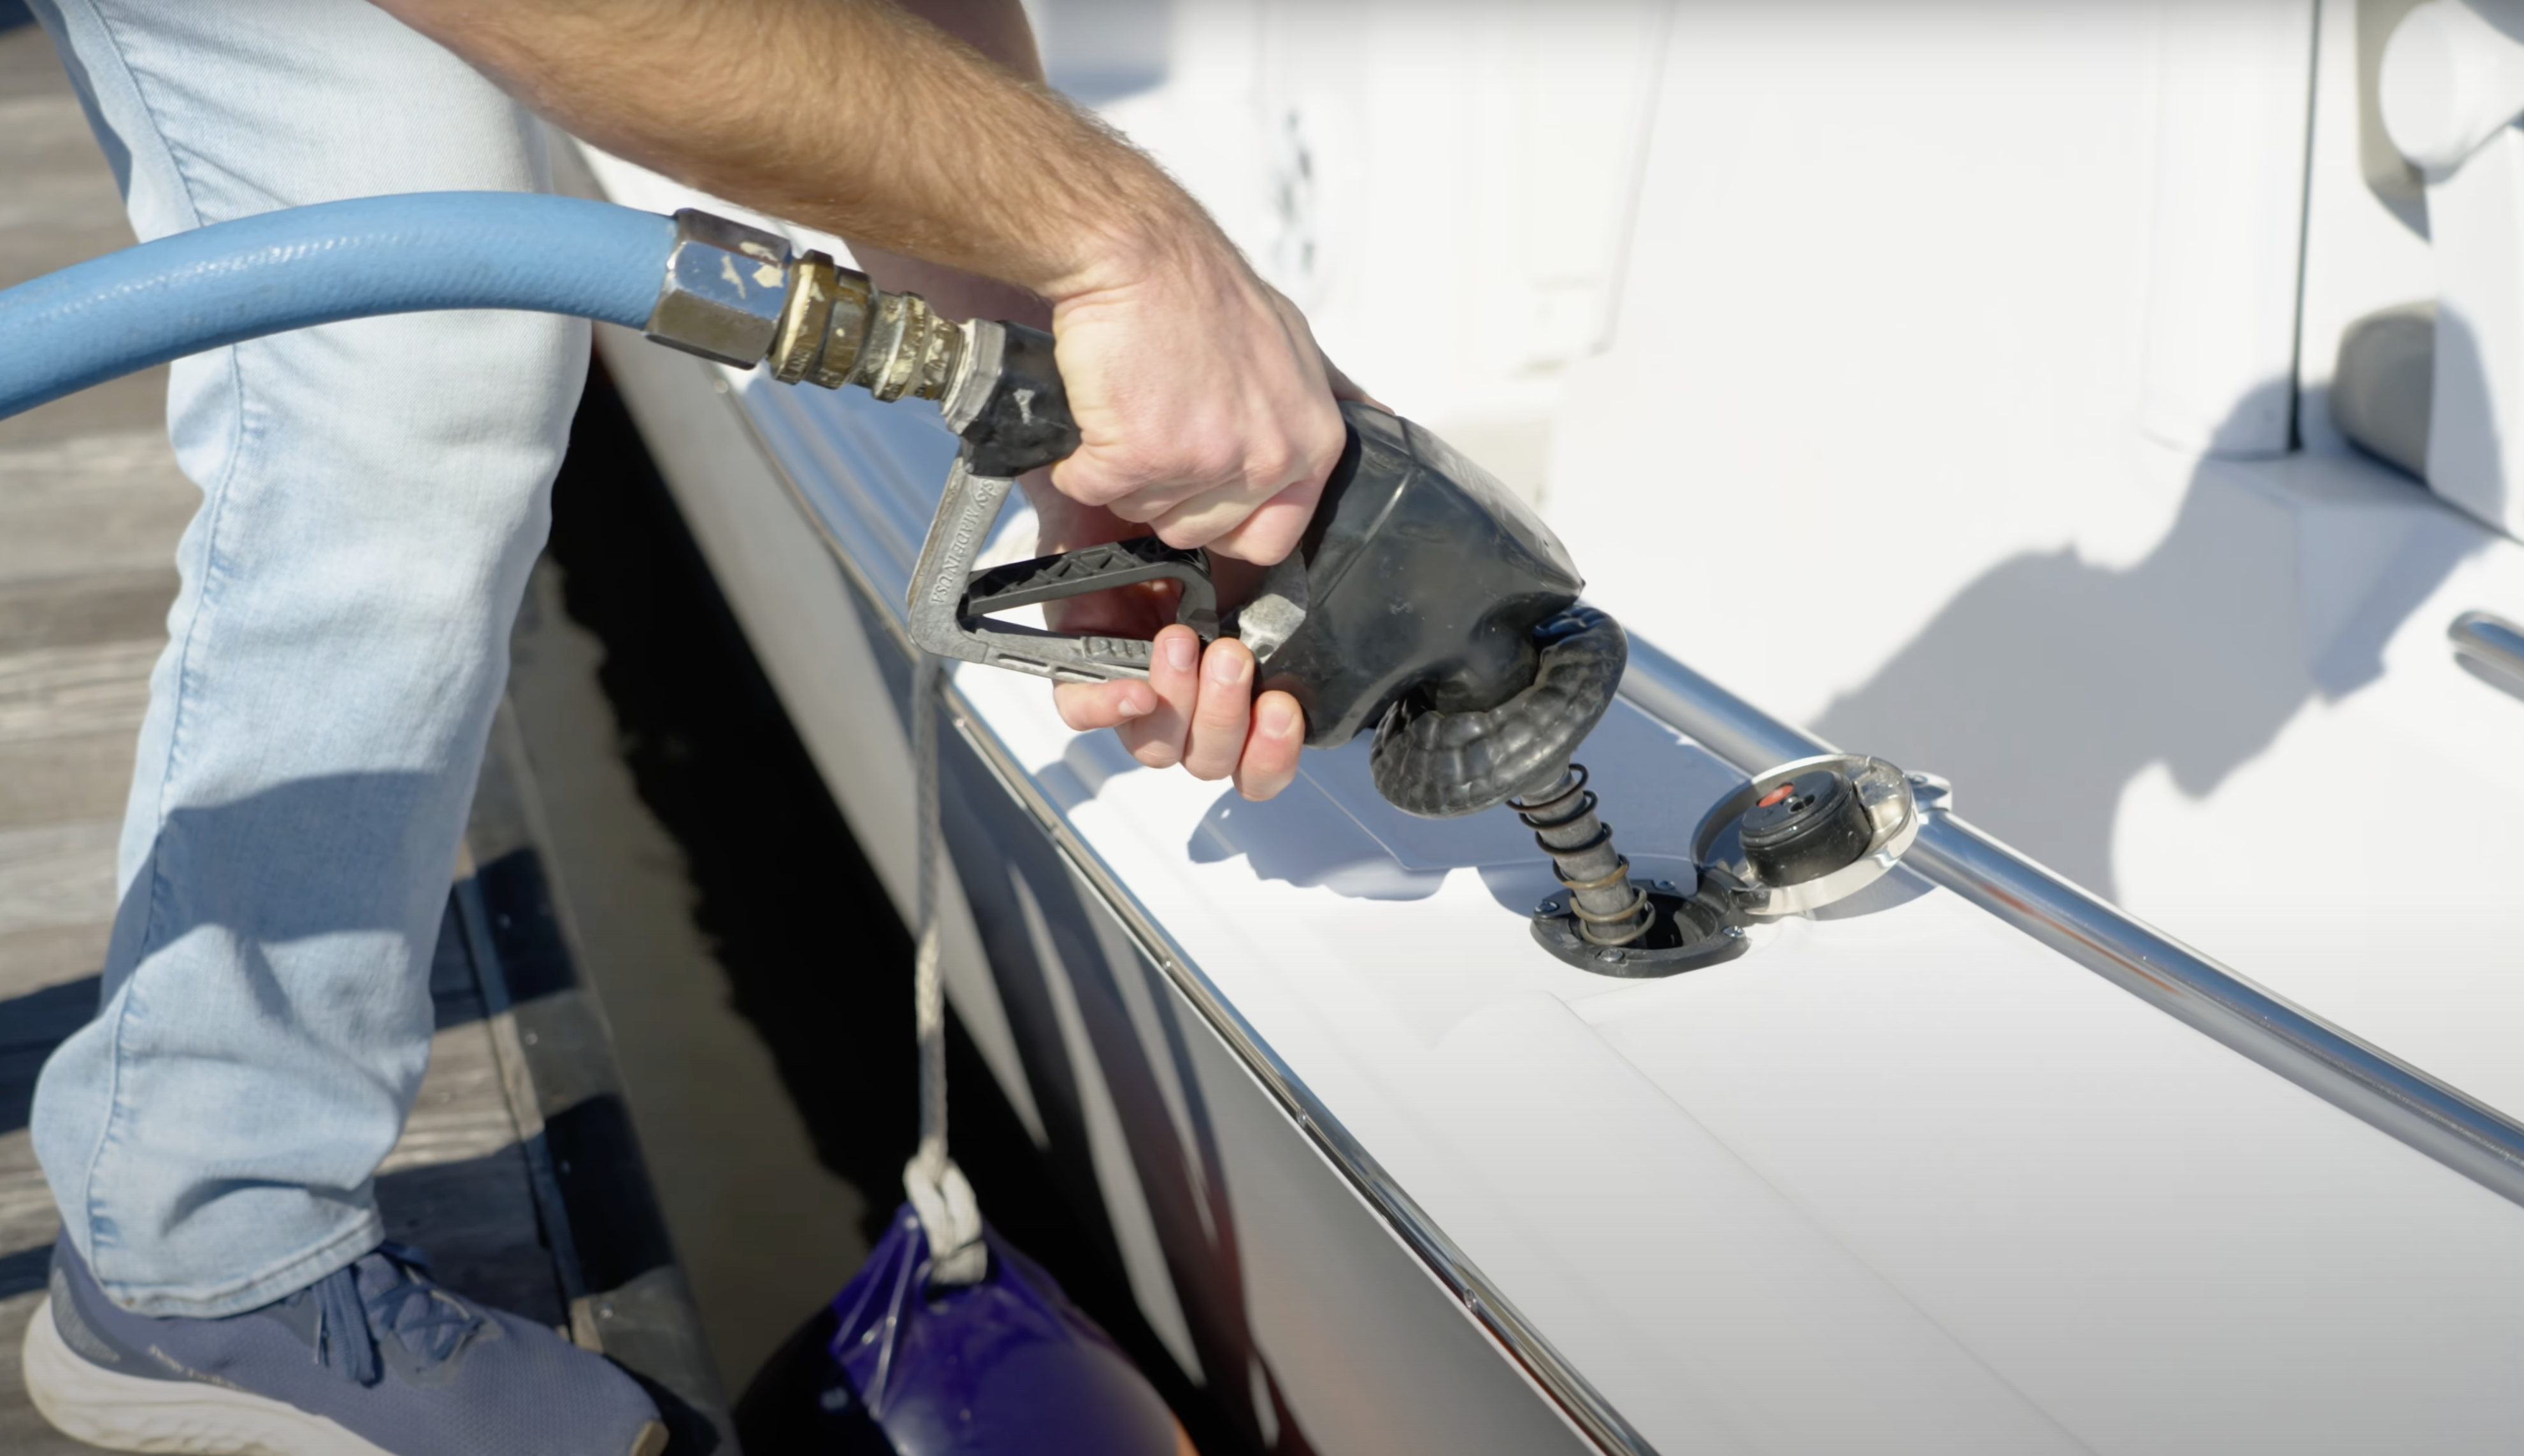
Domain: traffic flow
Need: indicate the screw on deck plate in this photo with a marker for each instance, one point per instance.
(1548, 907)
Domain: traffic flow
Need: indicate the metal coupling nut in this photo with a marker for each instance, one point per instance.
(825, 324)
(910, 350)
(726, 288)
(838, 329)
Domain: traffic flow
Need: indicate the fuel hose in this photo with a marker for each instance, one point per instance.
(323, 264)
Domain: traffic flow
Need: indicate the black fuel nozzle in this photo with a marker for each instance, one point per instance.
(1441, 613)
(1444, 613)
(1425, 603)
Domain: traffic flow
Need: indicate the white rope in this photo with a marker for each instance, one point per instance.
(949, 1215)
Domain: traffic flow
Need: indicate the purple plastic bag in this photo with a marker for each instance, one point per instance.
(1004, 1366)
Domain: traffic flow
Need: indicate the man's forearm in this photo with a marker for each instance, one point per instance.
(851, 116)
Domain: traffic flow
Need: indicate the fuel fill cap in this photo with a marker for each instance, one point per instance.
(1806, 828)
(1809, 834)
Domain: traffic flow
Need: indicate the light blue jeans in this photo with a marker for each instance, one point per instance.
(372, 495)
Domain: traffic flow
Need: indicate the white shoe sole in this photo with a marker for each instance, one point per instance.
(127, 1413)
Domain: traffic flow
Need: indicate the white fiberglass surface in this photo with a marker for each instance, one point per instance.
(1953, 382)
(1985, 1199)
(1981, 1195)
(1926, 357)
(1990, 319)
(2215, 689)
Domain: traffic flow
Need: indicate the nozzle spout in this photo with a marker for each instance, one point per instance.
(1610, 910)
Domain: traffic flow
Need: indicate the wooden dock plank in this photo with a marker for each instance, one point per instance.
(94, 606)
(112, 530)
(52, 213)
(53, 780)
(49, 954)
(53, 875)
(26, 1218)
(51, 692)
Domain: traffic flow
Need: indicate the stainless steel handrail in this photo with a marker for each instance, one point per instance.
(2492, 645)
(2358, 1078)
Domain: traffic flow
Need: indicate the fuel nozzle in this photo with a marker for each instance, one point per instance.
(1426, 603)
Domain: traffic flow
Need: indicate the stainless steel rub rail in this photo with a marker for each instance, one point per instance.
(2359, 1079)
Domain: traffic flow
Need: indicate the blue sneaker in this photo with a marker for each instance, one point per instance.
(371, 1360)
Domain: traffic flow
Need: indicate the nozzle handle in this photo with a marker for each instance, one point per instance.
(950, 600)
(1097, 568)
(1006, 400)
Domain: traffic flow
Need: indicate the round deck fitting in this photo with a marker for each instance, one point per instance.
(1686, 935)
(1892, 813)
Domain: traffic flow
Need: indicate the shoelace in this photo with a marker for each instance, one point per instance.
(349, 1326)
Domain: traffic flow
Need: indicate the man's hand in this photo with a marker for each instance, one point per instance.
(1205, 409)
(1197, 710)
(1194, 343)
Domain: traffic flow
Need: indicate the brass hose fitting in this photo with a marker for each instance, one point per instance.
(734, 294)
(838, 329)
(824, 302)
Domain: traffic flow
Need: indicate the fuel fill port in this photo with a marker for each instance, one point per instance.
(1808, 834)
(1688, 932)
(1800, 837)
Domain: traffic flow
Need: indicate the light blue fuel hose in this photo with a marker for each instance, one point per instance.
(300, 266)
